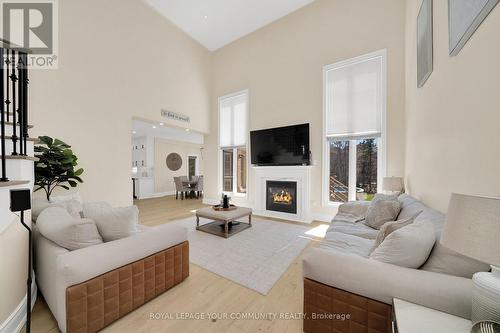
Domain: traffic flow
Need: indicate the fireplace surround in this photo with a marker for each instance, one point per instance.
(281, 196)
(300, 175)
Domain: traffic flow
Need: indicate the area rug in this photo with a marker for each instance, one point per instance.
(255, 258)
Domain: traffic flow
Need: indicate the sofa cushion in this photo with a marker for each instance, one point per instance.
(336, 241)
(390, 227)
(384, 197)
(410, 206)
(446, 261)
(382, 211)
(57, 225)
(355, 229)
(437, 219)
(409, 246)
(113, 223)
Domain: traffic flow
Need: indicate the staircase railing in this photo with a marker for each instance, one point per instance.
(338, 191)
(13, 103)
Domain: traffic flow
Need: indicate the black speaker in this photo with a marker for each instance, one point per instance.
(20, 199)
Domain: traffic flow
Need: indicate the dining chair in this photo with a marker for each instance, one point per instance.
(199, 187)
(185, 186)
(179, 188)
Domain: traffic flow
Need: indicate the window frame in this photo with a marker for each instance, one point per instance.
(196, 164)
(382, 144)
(220, 149)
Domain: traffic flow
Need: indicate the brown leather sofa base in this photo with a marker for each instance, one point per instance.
(323, 302)
(94, 304)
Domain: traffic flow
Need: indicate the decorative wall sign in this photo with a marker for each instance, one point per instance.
(464, 17)
(175, 116)
(174, 161)
(424, 43)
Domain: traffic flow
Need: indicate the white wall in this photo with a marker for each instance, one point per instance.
(164, 177)
(452, 123)
(118, 59)
(13, 268)
(281, 65)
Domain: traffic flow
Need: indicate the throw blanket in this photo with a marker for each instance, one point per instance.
(352, 212)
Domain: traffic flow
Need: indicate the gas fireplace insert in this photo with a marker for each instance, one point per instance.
(281, 196)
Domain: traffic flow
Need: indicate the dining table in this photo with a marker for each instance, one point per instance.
(192, 185)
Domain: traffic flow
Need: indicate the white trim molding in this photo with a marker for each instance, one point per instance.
(245, 92)
(326, 218)
(299, 174)
(17, 319)
(157, 195)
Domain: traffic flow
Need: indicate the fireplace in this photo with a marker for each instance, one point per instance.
(281, 196)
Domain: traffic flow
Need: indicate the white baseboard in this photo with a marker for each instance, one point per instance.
(157, 195)
(327, 218)
(282, 216)
(322, 217)
(15, 322)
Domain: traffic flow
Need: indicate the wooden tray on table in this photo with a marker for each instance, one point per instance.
(220, 208)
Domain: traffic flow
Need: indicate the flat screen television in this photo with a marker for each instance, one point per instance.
(281, 146)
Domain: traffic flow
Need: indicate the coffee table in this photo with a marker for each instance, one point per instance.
(224, 222)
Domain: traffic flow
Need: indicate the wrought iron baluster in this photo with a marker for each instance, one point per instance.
(20, 106)
(25, 99)
(7, 79)
(2, 115)
(13, 78)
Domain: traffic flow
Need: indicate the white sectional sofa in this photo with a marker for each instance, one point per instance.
(339, 276)
(88, 288)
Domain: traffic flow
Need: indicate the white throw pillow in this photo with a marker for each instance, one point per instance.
(409, 246)
(384, 197)
(72, 202)
(57, 225)
(390, 227)
(381, 212)
(38, 205)
(113, 223)
(73, 207)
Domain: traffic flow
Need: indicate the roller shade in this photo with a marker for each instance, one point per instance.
(354, 99)
(233, 127)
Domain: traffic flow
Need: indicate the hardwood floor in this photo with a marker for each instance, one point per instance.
(201, 293)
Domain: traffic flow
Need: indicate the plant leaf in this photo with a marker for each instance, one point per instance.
(56, 165)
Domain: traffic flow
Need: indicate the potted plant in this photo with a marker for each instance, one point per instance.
(55, 166)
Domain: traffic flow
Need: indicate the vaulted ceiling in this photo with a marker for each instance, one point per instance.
(215, 23)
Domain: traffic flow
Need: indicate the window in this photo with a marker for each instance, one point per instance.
(233, 134)
(354, 115)
(227, 167)
(192, 166)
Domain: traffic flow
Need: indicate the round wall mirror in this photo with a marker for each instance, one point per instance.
(174, 161)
